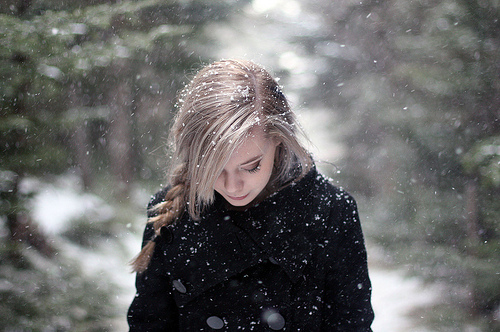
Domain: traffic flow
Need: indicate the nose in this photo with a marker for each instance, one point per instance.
(233, 183)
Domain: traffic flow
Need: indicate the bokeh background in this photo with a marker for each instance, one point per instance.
(400, 98)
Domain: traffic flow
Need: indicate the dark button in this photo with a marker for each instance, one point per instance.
(179, 286)
(167, 234)
(215, 322)
(274, 319)
(273, 260)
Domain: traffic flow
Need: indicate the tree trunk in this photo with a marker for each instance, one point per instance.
(80, 140)
(472, 211)
(120, 131)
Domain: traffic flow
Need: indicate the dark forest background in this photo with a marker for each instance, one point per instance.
(88, 88)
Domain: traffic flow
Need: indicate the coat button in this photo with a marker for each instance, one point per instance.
(215, 322)
(167, 234)
(179, 286)
(274, 319)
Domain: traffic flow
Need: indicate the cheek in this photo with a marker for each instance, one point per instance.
(266, 172)
(217, 184)
(268, 166)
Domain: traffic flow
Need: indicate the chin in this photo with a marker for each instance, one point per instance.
(243, 202)
(240, 202)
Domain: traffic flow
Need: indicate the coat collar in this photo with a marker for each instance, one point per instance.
(279, 225)
(224, 242)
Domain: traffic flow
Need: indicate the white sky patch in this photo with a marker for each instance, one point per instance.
(318, 128)
(292, 62)
(290, 8)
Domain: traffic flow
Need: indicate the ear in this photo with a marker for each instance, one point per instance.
(278, 152)
(276, 141)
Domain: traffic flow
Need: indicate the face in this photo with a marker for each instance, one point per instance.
(248, 170)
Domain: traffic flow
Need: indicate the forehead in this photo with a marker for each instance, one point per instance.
(254, 144)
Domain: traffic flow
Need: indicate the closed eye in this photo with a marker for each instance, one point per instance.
(254, 169)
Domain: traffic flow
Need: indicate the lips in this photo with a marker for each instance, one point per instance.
(238, 198)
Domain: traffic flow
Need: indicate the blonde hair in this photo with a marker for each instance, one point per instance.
(217, 111)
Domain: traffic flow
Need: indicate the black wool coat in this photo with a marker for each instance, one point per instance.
(294, 262)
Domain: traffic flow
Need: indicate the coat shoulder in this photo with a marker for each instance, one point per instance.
(328, 193)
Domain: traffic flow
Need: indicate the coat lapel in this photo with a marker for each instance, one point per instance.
(280, 226)
(207, 252)
(224, 243)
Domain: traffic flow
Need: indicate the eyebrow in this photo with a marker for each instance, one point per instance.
(252, 160)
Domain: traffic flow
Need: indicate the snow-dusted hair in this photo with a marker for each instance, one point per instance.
(217, 111)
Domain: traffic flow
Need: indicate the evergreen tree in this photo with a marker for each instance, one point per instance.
(416, 88)
(86, 85)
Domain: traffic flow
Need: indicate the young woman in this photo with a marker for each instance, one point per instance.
(248, 235)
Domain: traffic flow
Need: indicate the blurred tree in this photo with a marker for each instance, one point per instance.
(89, 85)
(68, 69)
(417, 88)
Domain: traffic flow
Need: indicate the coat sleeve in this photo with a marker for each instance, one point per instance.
(153, 308)
(348, 287)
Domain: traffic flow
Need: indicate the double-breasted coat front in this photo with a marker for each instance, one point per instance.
(294, 262)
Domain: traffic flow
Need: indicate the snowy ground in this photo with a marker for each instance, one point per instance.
(59, 203)
(394, 294)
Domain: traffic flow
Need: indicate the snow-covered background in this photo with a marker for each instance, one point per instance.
(398, 97)
(395, 295)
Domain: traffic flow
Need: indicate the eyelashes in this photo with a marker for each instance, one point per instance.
(254, 169)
